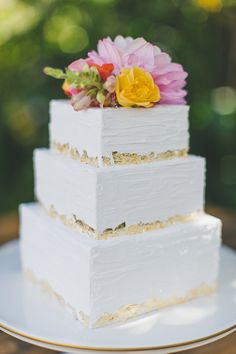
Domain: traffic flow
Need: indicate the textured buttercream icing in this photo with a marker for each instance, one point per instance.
(98, 134)
(120, 277)
(106, 198)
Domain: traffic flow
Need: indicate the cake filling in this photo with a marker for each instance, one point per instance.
(118, 158)
(128, 311)
(121, 229)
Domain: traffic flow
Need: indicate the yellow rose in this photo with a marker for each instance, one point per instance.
(135, 87)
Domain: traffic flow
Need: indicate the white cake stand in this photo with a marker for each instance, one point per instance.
(33, 316)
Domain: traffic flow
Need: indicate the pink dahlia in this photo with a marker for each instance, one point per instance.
(127, 52)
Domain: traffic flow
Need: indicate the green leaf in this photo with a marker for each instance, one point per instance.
(71, 76)
(56, 73)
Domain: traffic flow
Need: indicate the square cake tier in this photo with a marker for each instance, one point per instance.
(104, 281)
(119, 199)
(119, 136)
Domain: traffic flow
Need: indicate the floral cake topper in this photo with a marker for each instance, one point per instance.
(125, 72)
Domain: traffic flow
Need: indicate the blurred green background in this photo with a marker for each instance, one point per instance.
(200, 34)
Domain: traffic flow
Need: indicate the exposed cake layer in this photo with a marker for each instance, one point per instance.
(117, 157)
(119, 136)
(102, 201)
(113, 280)
(122, 229)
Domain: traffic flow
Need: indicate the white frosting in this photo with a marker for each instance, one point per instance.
(55, 255)
(102, 276)
(127, 130)
(106, 197)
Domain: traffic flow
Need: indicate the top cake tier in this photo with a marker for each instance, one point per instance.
(103, 137)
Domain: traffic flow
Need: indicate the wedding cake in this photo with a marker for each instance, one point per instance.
(119, 227)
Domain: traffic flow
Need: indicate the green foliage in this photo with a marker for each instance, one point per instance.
(56, 73)
(88, 79)
(34, 34)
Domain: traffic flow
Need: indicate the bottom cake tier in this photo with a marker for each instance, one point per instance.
(105, 281)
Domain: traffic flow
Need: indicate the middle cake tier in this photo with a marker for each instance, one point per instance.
(127, 199)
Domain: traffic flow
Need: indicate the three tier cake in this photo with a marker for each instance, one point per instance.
(119, 229)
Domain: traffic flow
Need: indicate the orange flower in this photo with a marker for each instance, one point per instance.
(105, 70)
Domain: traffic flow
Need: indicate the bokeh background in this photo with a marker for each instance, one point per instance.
(200, 34)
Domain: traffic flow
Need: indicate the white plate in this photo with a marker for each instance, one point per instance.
(32, 315)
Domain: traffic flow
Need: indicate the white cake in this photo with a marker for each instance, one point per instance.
(104, 198)
(102, 281)
(120, 228)
(104, 137)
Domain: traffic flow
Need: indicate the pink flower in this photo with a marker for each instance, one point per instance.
(128, 52)
(123, 42)
(110, 84)
(76, 65)
(81, 101)
(108, 52)
(79, 64)
(70, 90)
